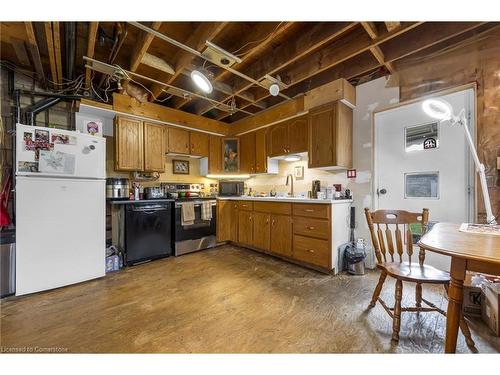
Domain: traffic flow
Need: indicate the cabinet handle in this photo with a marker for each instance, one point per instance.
(310, 228)
(309, 210)
(272, 223)
(267, 221)
(311, 251)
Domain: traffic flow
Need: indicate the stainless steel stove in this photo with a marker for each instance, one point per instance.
(200, 234)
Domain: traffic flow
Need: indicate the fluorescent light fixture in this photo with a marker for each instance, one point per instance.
(292, 158)
(438, 109)
(228, 176)
(274, 89)
(201, 81)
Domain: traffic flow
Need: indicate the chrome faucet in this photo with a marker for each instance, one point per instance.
(289, 177)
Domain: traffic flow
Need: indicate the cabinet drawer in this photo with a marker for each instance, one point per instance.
(312, 210)
(245, 205)
(312, 227)
(273, 207)
(312, 250)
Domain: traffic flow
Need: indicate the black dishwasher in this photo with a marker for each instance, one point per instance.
(148, 232)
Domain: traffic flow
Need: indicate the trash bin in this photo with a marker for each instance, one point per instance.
(7, 263)
(354, 260)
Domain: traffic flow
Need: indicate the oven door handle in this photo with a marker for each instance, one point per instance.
(149, 212)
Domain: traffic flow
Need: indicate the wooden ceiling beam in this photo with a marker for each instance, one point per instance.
(426, 36)
(265, 38)
(342, 50)
(204, 32)
(289, 52)
(141, 47)
(93, 26)
(371, 30)
(50, 48)
(57, 50)
(391, 25)
(34, 50)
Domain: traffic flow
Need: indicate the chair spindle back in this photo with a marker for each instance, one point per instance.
(399, 221)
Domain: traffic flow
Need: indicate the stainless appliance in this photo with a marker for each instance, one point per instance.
(148, 233)
(117, 188)
(7, 263)
(199, 235)
(231, 188)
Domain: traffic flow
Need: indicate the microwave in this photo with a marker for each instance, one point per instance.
(231, 188)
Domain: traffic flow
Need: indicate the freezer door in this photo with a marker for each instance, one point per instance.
(60, 232)
(72, 154)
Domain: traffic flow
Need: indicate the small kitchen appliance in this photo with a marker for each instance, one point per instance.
(231, 188)
(117, 188)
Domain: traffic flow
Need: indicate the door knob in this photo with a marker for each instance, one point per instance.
(382, 191)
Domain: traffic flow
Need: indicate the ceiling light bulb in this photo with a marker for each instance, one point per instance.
(292, 158)
(201, 81)
(438, 109)
(274, 89)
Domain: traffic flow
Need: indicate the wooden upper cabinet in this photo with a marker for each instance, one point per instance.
(321, 136)
(281, 235)
(199, 144)
(260, 151)
(278, 139)
(330, 136)
(154, 148)
(247, 153)
(261, 230)
(129, 144)
(297, 135)
(215, 154)
(178, 141)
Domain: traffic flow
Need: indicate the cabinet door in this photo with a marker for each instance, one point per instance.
(247, 153)
(215, 154)
(260, 151)
(343, 146)
(297, 135)
(245, 227)
(321, 136)
(178, 141)
(224, 213)
(281, 235)
(154, 151)
(129, 155)
(261, 230)
(234, 221)
(199, 144)
(278, 139)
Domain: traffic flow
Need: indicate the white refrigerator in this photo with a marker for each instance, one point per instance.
(60, 208)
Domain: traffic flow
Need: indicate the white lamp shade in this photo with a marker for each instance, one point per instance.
(201, 81)
(274, 89)
(438, 109)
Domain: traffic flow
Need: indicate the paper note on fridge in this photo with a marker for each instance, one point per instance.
(56, 162)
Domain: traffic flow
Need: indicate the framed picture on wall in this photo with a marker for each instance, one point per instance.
(180, 166)
(230, 155)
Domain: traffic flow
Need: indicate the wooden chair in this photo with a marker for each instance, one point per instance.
(387, 261)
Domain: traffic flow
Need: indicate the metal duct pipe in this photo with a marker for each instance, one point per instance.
(38, 107)
(70, 42)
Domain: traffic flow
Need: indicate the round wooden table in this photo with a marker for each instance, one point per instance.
(469, 252)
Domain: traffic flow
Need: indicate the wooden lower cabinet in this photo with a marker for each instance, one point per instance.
(261, 230)
(233, 235)
(312, 250)
(245, 227)
(281, 235)
(224, 216)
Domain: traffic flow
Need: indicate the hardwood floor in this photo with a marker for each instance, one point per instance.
(224, 300)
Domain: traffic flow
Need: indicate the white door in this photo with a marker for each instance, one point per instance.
(60, 232)
(421, 163)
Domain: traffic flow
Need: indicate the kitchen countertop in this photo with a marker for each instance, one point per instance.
(288, 200)
(128, 201)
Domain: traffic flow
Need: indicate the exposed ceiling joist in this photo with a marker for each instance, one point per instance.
(90, 49)
(57, 50)
(20, 51)
(157, 63)
(342, 50)
(289, 52)
(376, 51)
(34, 50)
(182, 58)
(263, 38)
(142, 46)
(50, 47)
(391, 25)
